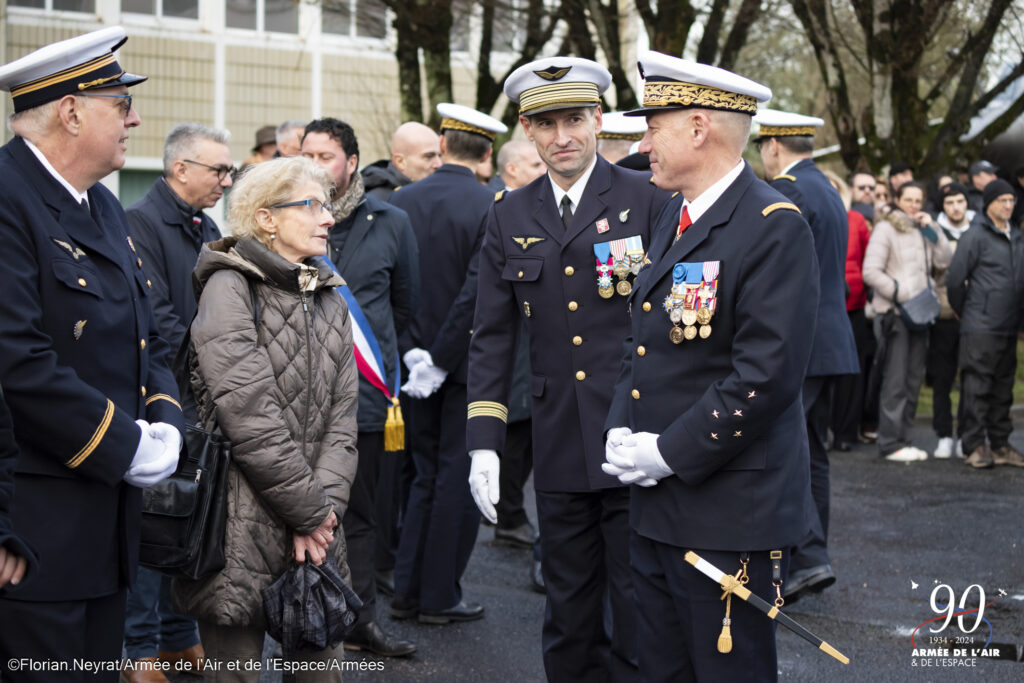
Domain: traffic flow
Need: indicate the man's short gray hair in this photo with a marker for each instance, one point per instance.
(288, 125)
(33, 124)
(735, 127)
(182, 139)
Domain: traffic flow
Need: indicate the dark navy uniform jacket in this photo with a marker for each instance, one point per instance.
(834, 351)
(575, 335)
(80, 361)
(447, 211)
(727, 408)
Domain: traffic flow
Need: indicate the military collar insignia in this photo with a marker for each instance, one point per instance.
(76, 252)
(527, 242)
(553, 73)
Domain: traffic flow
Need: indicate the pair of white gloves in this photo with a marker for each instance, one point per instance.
(156, 456)
(633, 458)
(424, 377)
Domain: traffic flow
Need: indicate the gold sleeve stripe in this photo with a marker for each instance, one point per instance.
(162, 397)
(785, 176)
(779, 205)
(488, 409)
(97, 436)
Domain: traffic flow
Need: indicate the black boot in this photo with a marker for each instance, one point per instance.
(370, 637)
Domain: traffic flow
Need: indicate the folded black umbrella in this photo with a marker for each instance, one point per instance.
(310, 607)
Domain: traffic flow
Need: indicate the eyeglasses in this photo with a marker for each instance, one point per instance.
(221, 171)
(864, 188)
(126, 105)
(315, 206)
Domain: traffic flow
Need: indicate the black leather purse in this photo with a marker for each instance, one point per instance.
(184, 516)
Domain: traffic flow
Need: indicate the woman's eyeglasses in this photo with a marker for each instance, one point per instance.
(315, 206)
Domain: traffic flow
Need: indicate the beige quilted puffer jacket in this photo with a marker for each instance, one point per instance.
(286, 397)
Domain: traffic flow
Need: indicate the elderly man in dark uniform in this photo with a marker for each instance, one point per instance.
(447, 210)
(562, 254)
(786, 141)
(707, 421)
(85, 374)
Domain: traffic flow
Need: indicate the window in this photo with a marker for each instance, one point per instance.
(362, 18)
(185, 9)
(65, 5)
(281, 16)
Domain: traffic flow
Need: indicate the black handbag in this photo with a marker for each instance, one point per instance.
(922, 309)
(184, 516)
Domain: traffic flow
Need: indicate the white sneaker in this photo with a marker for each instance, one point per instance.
(907, 454)
(945, 448)
(960, 449)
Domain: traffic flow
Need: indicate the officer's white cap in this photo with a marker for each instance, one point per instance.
(776, 124)
(557, 83)
(617, 126)
(674, 83)
(458, 117)
(69, 66)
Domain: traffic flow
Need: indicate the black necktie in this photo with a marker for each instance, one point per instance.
(566, 204)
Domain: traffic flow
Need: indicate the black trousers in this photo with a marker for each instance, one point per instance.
(940, 369)
(589, 619)
(57, 633)
(359, 523)
(813, 550)
(680, 617)
(988, 365)
(441, 520)
(516, 463)
(388, 504)
(848, 390)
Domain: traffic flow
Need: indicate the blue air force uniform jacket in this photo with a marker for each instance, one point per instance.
(447, 211)
(727, 407)
(80, 361)
(834, 351)
(532, 268)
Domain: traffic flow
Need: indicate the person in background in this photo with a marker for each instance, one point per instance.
(882, 194)
(848, 398)
(284, 391)
(83, 368)
(264, 148)
(904, 252)
(170, 227)
(979, 175)
(986, 287)
(289, 138)
(862, 195)
(944, 337)
(1018, 190)
(415, 154)
(900, 173)
(618, 134)
(933, 204)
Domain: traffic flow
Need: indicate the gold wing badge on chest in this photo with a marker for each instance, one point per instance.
(527, 242)
(75, 252)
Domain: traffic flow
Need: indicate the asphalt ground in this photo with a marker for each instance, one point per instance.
(931, 524)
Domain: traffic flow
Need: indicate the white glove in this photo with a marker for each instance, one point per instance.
(418, 385)
(413, 357)
(168, 434)
(155, 459)
(636, 459)
(435, 376)
(483, 482)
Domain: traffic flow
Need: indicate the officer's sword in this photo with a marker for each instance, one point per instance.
(731, 584)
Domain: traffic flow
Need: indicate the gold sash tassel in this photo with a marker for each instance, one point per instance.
(394, 428)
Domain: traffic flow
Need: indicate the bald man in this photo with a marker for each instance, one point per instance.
(415, 154)
(519, 164)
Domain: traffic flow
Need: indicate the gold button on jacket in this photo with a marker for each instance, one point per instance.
(635, 393)
(647, 307)
(569, 270)
(573, 305)
(641, 351)
(577, 340)
(581, 375)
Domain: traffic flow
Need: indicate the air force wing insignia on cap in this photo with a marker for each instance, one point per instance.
(553, 73)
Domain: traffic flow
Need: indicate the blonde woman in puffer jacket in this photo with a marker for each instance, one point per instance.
(284, 394)
(905, 248)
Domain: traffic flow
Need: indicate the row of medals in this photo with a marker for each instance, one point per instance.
(690, 318)
(623, 286)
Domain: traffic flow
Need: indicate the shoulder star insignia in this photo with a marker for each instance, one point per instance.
(527, 242)
(752, 394)
(714, 436)
(714, 414)
(737, 433)
(738, 413)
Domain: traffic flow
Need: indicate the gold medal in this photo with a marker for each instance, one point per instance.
(689, 317)
(606, 292)
(705, 331)
(623, 287)
(676, 335)
(689, 332)
(621, 269)
(704, 316)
